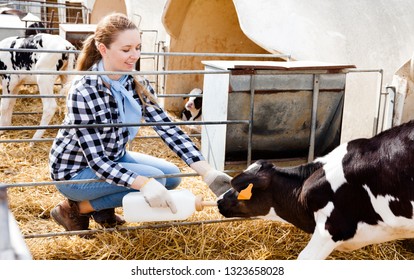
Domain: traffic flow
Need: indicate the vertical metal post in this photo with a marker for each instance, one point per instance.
(251, 114)
(315, 95)
(388, 112)
(377, 118)
(6, 251)
(12, 245)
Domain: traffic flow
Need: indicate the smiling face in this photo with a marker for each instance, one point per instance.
(123, 53)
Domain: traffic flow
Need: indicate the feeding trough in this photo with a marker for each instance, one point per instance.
(295, 109)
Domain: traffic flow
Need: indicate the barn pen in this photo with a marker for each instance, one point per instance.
(295, 109)
(205, 235)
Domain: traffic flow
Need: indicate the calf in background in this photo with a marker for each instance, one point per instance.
(193, 109)
(55, 61)
(361, 193)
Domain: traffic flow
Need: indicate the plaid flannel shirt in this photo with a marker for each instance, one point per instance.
(90, 102)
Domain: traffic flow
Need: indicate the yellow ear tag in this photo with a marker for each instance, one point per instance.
(246, 194)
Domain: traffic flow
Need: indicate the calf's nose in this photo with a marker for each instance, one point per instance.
(189, 105)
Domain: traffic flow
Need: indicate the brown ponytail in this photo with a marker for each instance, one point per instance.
(89, 54)
(142, 91)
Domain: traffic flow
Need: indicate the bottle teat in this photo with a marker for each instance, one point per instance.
(200, 203)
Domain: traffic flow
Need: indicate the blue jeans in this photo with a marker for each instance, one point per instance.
(103, 195)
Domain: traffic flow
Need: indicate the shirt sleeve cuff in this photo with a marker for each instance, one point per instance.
(191, 160)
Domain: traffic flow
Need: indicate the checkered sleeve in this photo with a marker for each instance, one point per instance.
(83, 108)
(172, 135)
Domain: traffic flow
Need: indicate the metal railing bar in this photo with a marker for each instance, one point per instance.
(166, 72)
(52, 139)
(36, 50)
(83, 181)
(35, 127)
(134, 228)
(42, 4)
(219, 54)
(32, 96)
(179, 95)
(254, 55)
(359, 70)
(64, 96)
(29, 28)
(26, 140)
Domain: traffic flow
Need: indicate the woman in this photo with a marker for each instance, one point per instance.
(100, 152)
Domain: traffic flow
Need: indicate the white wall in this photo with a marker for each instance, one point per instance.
(369, 34)
(147, 15)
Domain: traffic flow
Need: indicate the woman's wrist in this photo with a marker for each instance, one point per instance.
(201, 167)
(139, 182)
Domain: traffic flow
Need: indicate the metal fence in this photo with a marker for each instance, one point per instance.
(12, 244)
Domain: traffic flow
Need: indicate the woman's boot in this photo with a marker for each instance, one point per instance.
(107, 218)
(67, 215)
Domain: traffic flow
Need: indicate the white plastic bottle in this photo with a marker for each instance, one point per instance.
(136, 209)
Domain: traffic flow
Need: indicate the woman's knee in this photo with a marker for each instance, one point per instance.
(170, 169)
(172, 183)
(70, 192)
(158, 169)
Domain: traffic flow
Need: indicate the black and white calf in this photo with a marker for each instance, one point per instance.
(193, 107)
(55, 61)
(359, 194)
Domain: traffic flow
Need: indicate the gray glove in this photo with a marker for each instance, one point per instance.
(217, 181)
(157, 195)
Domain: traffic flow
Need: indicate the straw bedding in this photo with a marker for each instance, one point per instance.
(248, 239)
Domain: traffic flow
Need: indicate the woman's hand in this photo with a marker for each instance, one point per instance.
(217, 181)
(157, 195)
